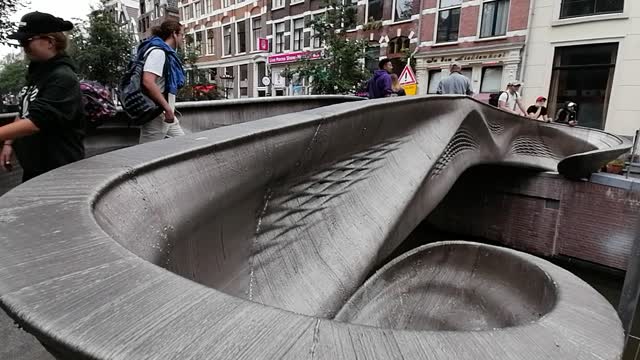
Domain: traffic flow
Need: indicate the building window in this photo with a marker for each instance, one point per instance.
(448, 21)
(397, 45)
(210, 42)
(495, 15)
(198, 9)
(371, 59)
(156, 10)
(209, 6)
(434, 79)
(188, 11)
(575, 8)
(262, 72)
(243, 77)
(298, 28)
(402, 10)
(296, 2)
(199, 42)
(374, 10)
(242, 37)
(277, 4)
(584, 74)
(316, 40)
(279, 37)
(227, 40)
(227, 3)
(491, 79)
(256, 27)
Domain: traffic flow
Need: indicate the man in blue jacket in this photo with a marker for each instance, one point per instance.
(380, 84)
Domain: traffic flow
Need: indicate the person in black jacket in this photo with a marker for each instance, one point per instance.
(49, 130)
(567, 114)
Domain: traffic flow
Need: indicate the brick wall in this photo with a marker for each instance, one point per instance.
(543, 214)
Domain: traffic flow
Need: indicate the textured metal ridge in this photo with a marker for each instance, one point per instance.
(244, 242)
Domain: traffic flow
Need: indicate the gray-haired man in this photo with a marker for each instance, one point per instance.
(455, 83)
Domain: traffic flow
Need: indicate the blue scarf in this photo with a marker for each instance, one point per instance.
(175, 74)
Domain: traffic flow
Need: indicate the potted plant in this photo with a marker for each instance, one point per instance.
(615, 166)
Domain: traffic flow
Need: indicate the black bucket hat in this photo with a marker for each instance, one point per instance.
(36, 23)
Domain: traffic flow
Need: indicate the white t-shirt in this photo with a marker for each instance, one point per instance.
(155, 65)
(510, 99)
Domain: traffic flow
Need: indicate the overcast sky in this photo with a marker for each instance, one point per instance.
(66, 9)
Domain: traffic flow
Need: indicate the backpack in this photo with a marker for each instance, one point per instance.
(495, 98)
(97, 101)
(139, 107)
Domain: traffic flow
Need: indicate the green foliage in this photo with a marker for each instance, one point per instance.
(12, 74)
(340, 70)
(8, 8)
(101, 48)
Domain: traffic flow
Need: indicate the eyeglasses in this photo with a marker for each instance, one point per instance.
(26, 42)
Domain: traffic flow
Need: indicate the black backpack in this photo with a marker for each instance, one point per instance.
(139, 107)
(495, 98)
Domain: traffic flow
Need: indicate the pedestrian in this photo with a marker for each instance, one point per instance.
(379, 85)
(455, 83)
(397, 89)
(538, 111)
(511, 98)
(567, 114)
(49, 129)
(162, 82)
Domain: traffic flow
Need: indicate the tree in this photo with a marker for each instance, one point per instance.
(8, 8)
(101, 48)
(12, 74)
(340, 70)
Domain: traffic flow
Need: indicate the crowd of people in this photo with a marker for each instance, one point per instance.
(384, 83)
(50, 127)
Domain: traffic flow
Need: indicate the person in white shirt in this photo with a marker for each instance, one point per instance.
(154, 82)
(510, 99)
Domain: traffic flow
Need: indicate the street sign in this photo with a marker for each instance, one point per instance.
(407, 77)
(410, 89)
(263, 44)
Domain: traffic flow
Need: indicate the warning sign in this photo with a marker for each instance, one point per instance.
(407, 77)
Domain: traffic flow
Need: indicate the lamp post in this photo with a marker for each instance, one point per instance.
(228, 81)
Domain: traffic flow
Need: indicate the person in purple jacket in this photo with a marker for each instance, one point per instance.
(380, 84)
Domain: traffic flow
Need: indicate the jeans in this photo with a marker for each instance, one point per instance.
(158, 129)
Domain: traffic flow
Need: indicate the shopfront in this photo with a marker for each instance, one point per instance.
(488, 70)
(281, 63)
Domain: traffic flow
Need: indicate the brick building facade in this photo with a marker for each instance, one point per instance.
(486, 36)
(153, 13)
(225, 33)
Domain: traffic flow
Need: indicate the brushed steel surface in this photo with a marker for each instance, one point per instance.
(247, 240)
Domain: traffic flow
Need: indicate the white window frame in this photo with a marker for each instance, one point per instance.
(482, 73)
(557, 10)
(296, 2)
(209, 7)
(393, 14)
(238, 38)
(479, 35)
(254, 41)
(207, 50)
(293, 33)
(277, 4)
(224, 48)
(366, 12)
(199, 44)
(226, 3)
(275, 37)
(313, 38)
(437, 22)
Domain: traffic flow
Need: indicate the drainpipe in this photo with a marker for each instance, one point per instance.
(526, 44)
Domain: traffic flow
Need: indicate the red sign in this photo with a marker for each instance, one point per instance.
(294, 56)
(263, 44)
(407, 77)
